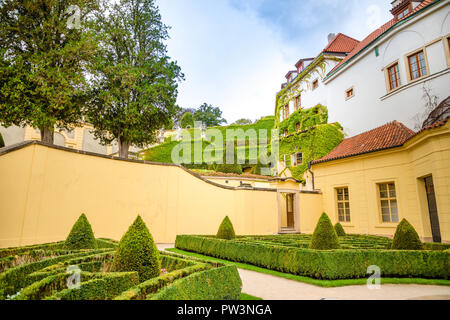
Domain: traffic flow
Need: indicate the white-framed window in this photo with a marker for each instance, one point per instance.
(297, 159)
(343, 204)
(387, 196)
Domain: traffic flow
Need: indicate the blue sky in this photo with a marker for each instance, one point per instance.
(235, 53)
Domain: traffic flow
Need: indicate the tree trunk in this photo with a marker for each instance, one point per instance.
(123, 148)
(47, 135)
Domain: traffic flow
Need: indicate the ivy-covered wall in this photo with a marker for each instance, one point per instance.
(309, 133)
(305, 118)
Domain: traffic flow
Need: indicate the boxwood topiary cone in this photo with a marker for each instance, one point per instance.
(137, 252)
(324, 236)
(81, 235)
(339, 230)
(406, 237)
(226, 230)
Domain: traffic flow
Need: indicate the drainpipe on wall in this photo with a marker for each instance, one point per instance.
(312, 175)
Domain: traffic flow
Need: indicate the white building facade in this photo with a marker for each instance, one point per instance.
(385, 76)
(390, 75)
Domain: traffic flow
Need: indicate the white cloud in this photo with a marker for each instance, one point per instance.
(235, 56)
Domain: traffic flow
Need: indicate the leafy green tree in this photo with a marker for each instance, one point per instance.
(135, 83)
(209, 115)
(324, 236)
(81, 236)
(243, 122)
(187, 120)
(44, 55)
(226, 230)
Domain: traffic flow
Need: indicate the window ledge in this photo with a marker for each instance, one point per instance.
(414, 82)
(387, 225)
(349, 225)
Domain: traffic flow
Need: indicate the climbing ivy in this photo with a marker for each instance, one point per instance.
(317, 67)
(314, 143)
(305, 118)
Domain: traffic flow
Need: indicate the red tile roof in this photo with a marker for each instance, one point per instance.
(341, 43)
(375, 34)
(391, 135)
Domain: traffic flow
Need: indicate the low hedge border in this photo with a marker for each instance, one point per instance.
(48, 286)
(321, 264)
(16, 278)
(104, 288)
(221, 283)
(102, 243)
(142, 290)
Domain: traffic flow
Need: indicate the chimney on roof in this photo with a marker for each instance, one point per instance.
(331, 37)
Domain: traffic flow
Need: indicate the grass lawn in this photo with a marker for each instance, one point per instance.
(245, 296)
(316, 282)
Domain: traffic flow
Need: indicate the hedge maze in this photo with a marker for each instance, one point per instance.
(77, 269)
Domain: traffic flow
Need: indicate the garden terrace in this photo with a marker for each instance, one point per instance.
(289, 254)
(40, 273)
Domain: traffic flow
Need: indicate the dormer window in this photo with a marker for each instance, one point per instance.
(403, 14)
(400, 8)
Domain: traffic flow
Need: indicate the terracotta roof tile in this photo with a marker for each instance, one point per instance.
(393, 134)
(341, 43)
(375, 34)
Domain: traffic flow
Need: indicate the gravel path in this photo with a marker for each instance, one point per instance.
(270, 287)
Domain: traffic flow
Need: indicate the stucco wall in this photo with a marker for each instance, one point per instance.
(44, 190)
(427, 154)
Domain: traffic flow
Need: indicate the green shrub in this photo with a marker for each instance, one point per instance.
(151, 286)
(320, 264)
(15, 278)
(81, 235)
(138, 252)
(406, 237)
(226, 230)
(221, 283)
(229, 168)
(106, 287)
(187, 120)
(324, 236)
(339, 230)
(2, 143)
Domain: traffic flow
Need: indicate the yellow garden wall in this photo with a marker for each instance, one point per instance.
(426, 154)
(43, 191)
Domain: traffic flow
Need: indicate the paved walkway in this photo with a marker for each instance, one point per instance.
(269, 287)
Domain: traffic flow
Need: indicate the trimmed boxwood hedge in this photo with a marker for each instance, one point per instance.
(324, 236)
(406, 237)
(226, 230)
(16, 278)
(137, 252)
(221, 283)
(150, 286)
(106, 287)
(327, 264)
(47, 286)
(81, 236)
